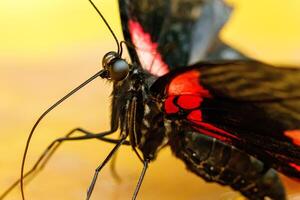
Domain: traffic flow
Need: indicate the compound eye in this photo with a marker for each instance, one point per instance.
(118, 69)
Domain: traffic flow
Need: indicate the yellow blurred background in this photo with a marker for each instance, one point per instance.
(49, 47)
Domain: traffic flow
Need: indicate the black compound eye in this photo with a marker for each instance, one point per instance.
(118, 69)
(108, 58)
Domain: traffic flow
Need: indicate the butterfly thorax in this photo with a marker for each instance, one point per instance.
(139, 114)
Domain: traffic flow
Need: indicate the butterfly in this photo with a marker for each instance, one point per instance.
(231, 122)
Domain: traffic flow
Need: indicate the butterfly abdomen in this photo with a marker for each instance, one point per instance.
(216, 161)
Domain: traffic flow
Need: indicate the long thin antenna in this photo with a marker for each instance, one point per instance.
(42, 116)
(104, 20)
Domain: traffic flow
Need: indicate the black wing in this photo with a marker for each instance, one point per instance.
(174, 33)
(251, 105)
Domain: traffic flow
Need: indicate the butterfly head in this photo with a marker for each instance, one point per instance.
(115, 67)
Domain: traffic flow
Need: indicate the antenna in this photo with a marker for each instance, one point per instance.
(100, 73)
(104, 20)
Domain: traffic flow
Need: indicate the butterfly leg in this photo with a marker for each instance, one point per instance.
(138, 186)
(49, 151)
(98, 169)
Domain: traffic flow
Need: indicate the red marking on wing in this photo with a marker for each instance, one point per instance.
(294, 135)
(187, 83)
(170, 107)
(196, 117)
(189, 101)
(295, 166)
(149, 56)
(190, 96)
(187, 87)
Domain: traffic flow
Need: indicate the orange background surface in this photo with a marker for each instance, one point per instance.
(49, 47)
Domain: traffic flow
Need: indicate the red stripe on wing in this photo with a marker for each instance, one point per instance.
(295, 166)
(294, 135)
(146, 49)
(211, 130)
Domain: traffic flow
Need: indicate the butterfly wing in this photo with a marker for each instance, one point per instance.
(168, 34)
(251, 105)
